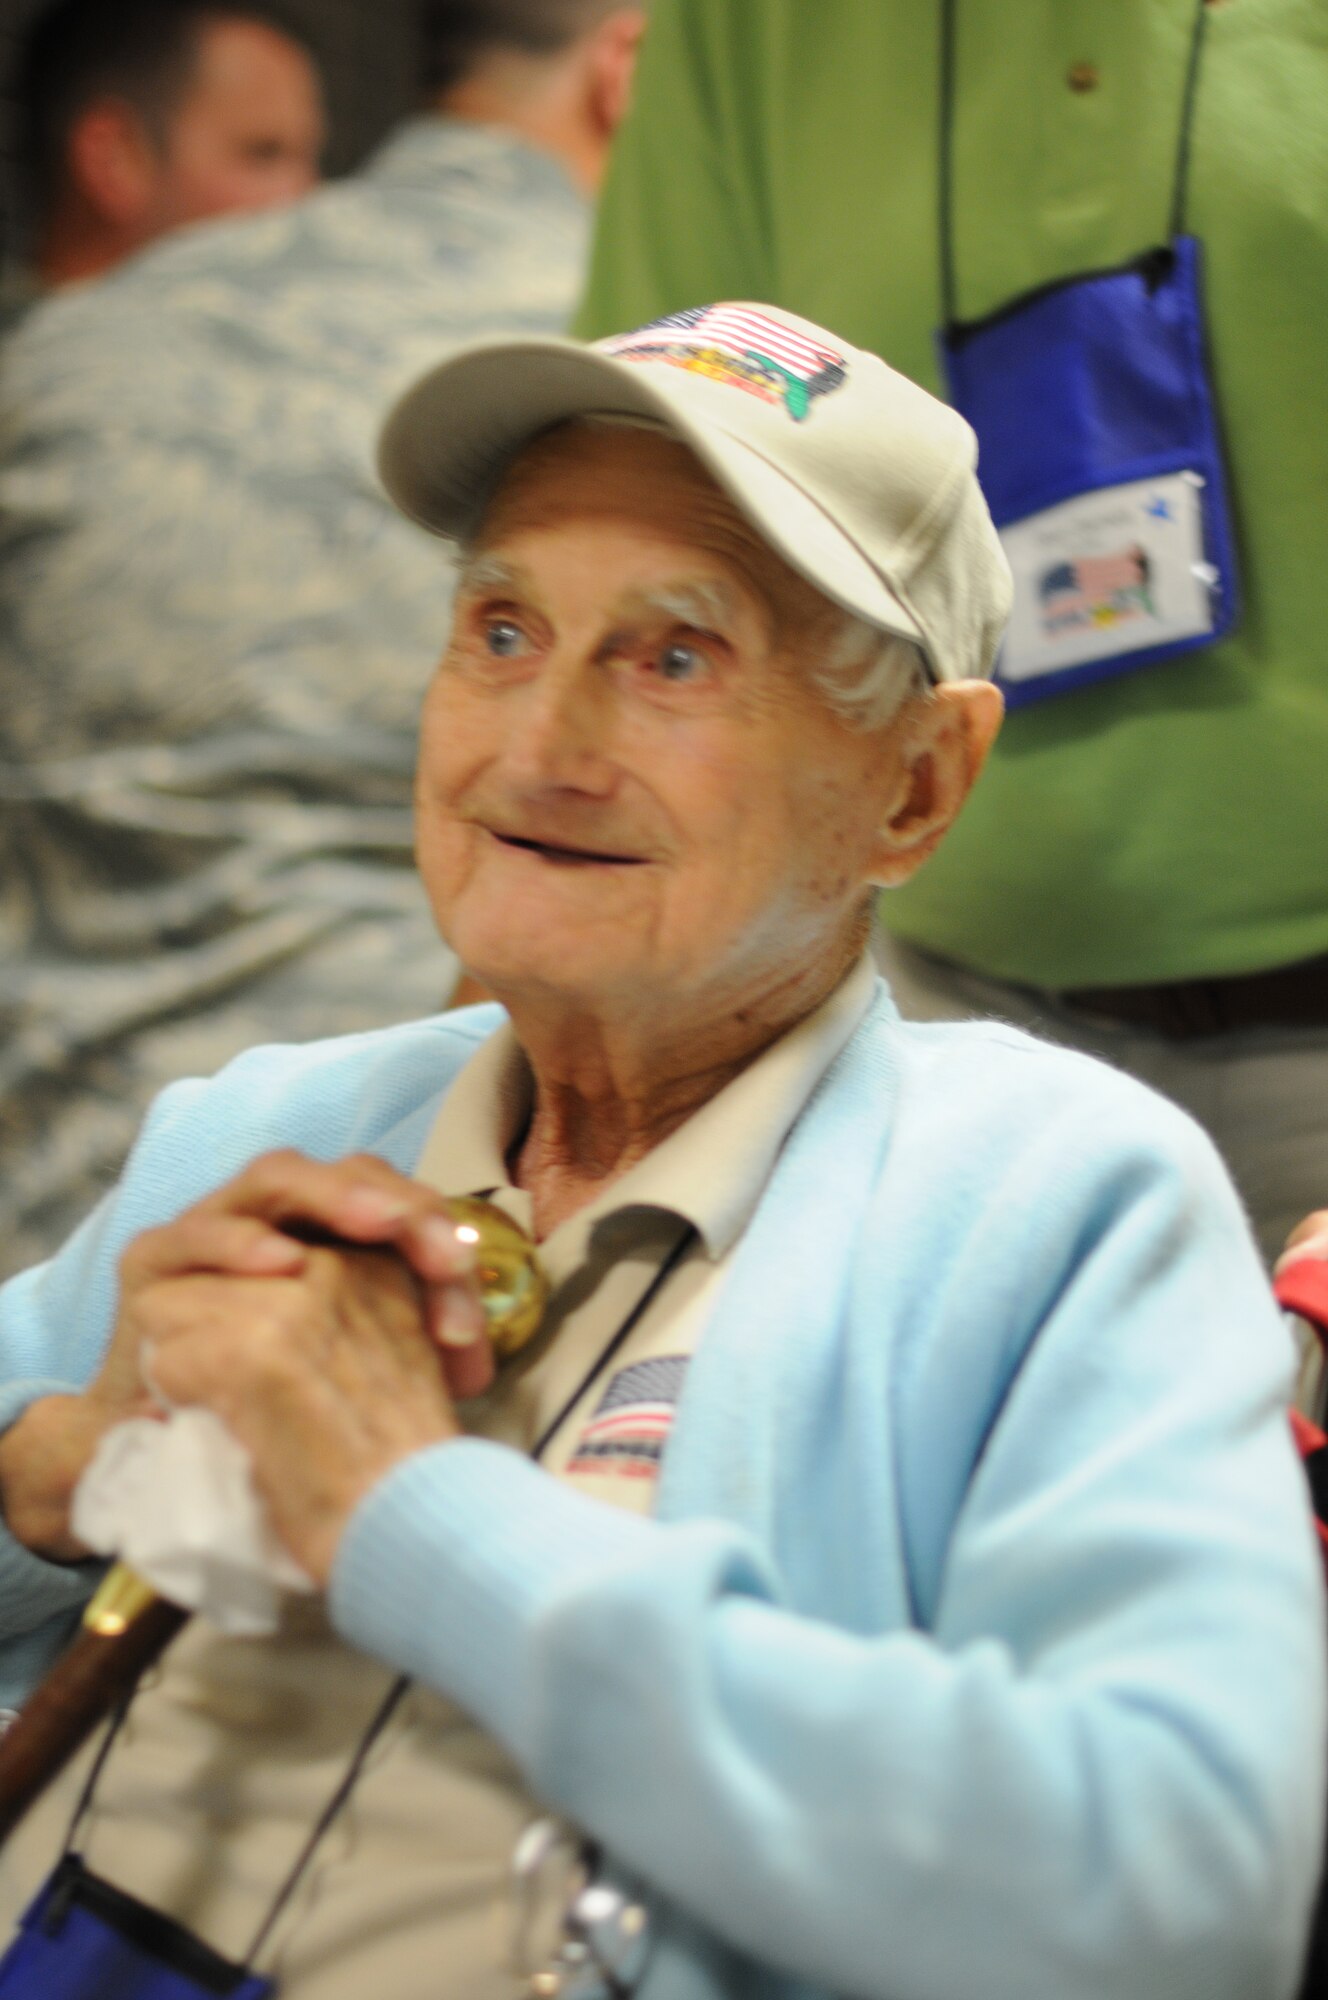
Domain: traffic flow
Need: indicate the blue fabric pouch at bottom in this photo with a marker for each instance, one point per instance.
(1100, 456)
(82, 1939)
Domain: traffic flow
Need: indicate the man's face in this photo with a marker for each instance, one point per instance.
(628, 791)
(248, 132)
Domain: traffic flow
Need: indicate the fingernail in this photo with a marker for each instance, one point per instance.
(459, 1316)
(277, 1253)
(455, 1245)
(374, 1208)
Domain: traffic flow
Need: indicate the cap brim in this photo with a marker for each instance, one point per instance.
(447, 441)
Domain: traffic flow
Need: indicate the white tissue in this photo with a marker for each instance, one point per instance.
(175, 1501)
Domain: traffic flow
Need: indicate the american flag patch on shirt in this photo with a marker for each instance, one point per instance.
(632, 1420)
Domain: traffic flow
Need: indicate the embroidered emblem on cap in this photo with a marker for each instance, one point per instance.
(632, 1420)
(747, 350)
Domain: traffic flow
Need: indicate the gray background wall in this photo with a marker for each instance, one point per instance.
(368, 50)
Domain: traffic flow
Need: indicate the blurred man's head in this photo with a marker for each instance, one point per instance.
(139, 116)
(558, 72)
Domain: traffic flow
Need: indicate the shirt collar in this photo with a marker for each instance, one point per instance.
(711, 1171)
(426, 150)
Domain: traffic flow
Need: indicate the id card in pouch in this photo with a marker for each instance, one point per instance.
(1109, 574)
(1100, 459)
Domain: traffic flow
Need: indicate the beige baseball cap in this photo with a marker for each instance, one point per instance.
(862, 481)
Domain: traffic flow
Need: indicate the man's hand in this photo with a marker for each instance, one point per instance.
(238, 1310)
(1309, 1238)
(327, 1376)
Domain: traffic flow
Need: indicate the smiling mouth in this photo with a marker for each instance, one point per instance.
(569, 857)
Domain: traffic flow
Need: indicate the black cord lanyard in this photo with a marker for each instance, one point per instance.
(945, 165)
(606, 1354)
(378, 1721)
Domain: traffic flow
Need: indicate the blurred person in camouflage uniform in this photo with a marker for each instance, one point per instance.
(214, 631)
(136, 119)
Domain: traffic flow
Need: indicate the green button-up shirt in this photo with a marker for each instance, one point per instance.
(1171, 823)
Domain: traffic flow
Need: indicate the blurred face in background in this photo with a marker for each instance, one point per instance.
(247, 133)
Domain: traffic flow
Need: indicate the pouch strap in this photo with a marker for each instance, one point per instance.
(606, 1354)
(945, 165)
(377, 1723)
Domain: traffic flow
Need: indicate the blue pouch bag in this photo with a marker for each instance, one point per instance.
(1099, 454)
(83, 1939)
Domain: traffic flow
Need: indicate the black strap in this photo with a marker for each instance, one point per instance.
(350, 1778)
(945, 163)
(84, 1799)
(373, 1730)
(1316, 1471)
(1181, 182)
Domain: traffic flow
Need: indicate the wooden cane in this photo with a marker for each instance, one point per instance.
(127, 1625)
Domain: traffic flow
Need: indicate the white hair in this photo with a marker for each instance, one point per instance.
(867, 675)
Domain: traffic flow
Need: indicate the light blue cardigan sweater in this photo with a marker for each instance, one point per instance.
(976, 1649)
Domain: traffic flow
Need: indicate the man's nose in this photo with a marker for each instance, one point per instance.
(561, 726)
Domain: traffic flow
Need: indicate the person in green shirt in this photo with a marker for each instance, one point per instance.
(1144, 868)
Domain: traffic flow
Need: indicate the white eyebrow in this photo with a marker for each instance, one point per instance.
(486, 572)
(702, 603)
(705, 602)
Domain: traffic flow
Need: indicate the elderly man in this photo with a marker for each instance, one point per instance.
(891, 1556)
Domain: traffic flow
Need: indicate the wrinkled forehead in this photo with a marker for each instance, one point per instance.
(605, 464)
(609, 470)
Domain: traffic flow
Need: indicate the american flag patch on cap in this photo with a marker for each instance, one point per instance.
(737, 330)
(737, 344)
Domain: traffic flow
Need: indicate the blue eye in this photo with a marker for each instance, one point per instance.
(504, 638)
(681, 662)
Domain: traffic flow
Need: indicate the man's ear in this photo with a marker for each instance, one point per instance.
(946, 735)
(613, 52)
(112, 162)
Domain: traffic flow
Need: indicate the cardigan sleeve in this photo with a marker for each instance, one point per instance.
(1099, 1769)
(374, 1092)
(55, 1321)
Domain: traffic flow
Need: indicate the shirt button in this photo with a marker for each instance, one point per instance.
(1082, 76)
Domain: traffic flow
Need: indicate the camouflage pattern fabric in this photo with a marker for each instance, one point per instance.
(214, 637)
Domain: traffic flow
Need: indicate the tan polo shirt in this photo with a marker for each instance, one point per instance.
(230, 1753)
